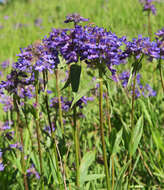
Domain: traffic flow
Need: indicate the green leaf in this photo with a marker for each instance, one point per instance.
(145, 111)
(119, 180)
(86, 162)
(135, 165)
(136, 136)
(75, 72)
(68, 82)
(126, 135)
(158, 139)
(94, 177)
(117, 142)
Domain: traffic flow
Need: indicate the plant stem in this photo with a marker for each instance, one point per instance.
(37, 123)
(27, 125)
(108, 114)
(109, 131)
(23, 160)
(161, 76)
(78, 133)
(75, 131)
(132, 115)
(133, 99)
(112, 172)
(102, 129)
(59, 100)
(149, 25)
(22, 144)
(45, 81)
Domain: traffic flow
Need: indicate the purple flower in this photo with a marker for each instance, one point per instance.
(6, 125)
(5, 64)
(160, 43)
(38, 22)
(83, 101)
(6, 17)
(76, 18)
(93, 45)
(148, 6)
(1, 166)
(124, 78)
(7, 102)
(141, 46)
(66, 105)
(1, 154)
(36, 58)
(10, 135)
(13, 145)
(48, 129)
(16, 145)
(160, 33)
(32, 171)
(146, 90)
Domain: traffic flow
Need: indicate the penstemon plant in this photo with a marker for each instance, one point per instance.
(79, 50)
(149, 7)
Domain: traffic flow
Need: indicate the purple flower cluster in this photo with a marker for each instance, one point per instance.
(141, 46)
(148, 6)
(48, 129)
(7, 102)
(140, 90)
(6, 131)
(6, 125)
(160, 42)
(16, 145)
(91, 44)
(36, 58)
(5, 64)
(66, 105)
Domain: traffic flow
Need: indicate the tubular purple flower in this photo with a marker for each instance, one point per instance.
(141, 46)
(2, 167)
(6, 126)
(160, 43)
(148, 6)
(66, 105)
(32, 171)
(146, 90)
(7, 102)
(5, 64)
(76, 18)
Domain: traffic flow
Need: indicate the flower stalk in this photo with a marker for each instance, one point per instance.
(102, 128)
(108, 113)
(59, 100)
(75, 132)
(19, 127)
(37, 123)
(149, 25)
(161, 76)
(45, 81)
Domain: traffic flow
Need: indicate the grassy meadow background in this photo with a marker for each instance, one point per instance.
(21, 24)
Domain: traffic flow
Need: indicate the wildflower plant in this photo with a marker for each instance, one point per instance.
(149, 7)
(37, 105)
